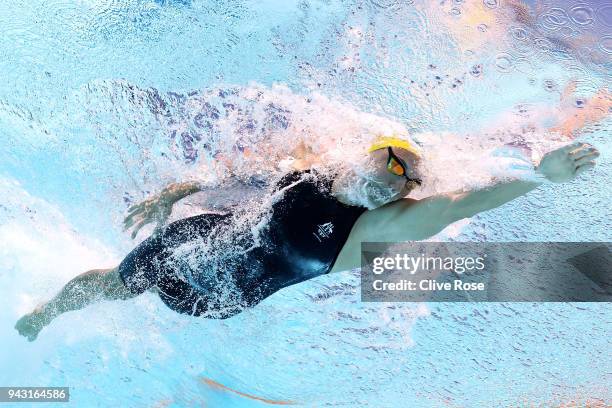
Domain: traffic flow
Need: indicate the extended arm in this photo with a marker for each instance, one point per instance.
(420, 219)
(558, 166)
(457, 206)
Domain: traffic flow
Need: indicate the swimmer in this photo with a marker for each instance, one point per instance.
(315, 228)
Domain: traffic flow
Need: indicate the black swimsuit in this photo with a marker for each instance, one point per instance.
(307, 229)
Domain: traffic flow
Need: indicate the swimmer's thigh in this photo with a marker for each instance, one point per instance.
(145, 265)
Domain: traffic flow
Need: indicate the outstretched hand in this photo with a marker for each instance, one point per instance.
(567, 162)
(156, 209)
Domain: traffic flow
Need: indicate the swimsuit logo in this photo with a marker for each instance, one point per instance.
(323, 231)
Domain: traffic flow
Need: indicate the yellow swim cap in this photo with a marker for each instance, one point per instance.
(382, 142)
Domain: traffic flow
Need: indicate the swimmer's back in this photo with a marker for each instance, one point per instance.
(308, 228)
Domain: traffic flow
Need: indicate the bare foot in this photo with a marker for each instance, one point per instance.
(31, 324)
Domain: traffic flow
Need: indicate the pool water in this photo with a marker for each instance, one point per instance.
(93, 92)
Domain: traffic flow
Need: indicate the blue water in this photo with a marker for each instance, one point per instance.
(75, 148)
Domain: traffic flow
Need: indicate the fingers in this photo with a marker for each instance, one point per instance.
(135, 213)
(584, 152)
(141, 214)
(131, 220)
(586, 159)
(573, 146)
(138, 227)
(584, 167)
(137, 207)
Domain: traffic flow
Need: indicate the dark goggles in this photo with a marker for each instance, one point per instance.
(397, 166)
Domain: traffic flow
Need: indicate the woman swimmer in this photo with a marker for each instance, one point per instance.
(315, 228)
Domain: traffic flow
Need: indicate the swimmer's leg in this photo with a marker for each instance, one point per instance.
(87, 288)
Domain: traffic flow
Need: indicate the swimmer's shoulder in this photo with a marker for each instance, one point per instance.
(371, 226)
(407, 219)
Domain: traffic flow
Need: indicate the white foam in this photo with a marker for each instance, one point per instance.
(39, 249)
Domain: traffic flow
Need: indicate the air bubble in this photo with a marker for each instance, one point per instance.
(550, 85)
(491, 3)
(605, 44)
(482, 28)
(543, 44)
(523, 48)
(476, 70)
(582, 15)
(523, 65)
(604, 15)
(567, 32)
(504, 62)
(523, 110)
(554, 19)
(518, 33)
(384, 3)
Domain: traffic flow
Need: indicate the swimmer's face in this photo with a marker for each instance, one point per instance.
(383, 186)
(369, 184)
